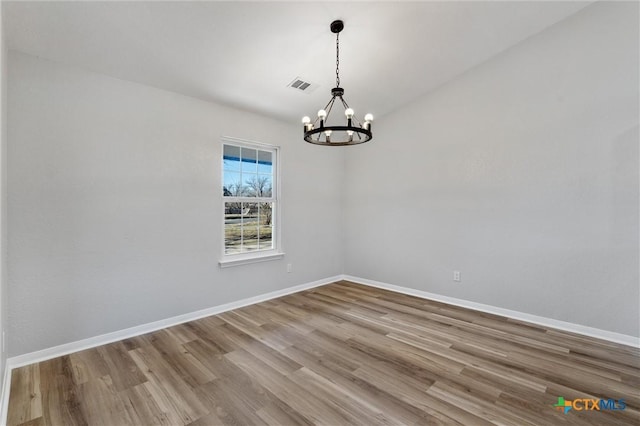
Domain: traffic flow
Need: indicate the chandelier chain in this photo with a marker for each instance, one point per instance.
(337, 60)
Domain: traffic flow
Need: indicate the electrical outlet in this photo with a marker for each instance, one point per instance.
(289, 267)
(456, 276)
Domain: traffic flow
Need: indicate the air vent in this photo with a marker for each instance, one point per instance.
(302, 85)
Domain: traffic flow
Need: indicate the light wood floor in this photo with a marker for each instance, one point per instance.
(338, 354)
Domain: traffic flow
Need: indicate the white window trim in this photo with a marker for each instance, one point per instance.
(228, 260)
(238, 260)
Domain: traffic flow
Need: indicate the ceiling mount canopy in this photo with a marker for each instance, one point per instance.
(320, 132)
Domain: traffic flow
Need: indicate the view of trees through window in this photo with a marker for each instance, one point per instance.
(249, 199)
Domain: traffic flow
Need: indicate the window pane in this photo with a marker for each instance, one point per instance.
(249, 227)
(265, 185)
(231, 158)
(265, 219)
(265, 214)
(250, 184)
(232, 228)
(249, 214)
(249, 238)
(265, 240)
(232, 186)
(265, 162)
(232, 239)
(249, 160)
(258, 186)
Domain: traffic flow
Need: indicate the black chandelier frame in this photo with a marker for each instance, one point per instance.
(355, 132)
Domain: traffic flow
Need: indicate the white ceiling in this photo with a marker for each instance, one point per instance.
(246, 53)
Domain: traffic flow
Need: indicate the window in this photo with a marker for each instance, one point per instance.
(250, 202)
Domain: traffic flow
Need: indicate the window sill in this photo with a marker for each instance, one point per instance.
(266, 257)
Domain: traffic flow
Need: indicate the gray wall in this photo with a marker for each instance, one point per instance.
(114, 205)
(3, 193)
(522, 174)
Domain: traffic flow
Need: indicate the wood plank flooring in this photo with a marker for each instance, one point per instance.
(335, 355)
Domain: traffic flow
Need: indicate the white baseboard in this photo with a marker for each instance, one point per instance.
(535, 319)
(67, 348)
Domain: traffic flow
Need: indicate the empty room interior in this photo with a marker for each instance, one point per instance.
(327, 213)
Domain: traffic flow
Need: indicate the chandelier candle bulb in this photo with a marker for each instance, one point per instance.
(367, 122)
(306, 122)
(322, 114)
(349, 113)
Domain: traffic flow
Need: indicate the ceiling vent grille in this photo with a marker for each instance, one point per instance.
(302, 85)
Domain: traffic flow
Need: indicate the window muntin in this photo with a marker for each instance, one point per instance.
(249, 197)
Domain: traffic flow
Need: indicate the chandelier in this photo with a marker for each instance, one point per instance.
(320, 132)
